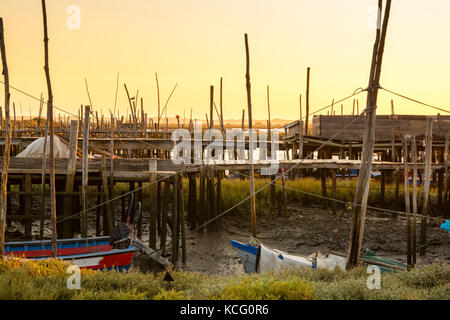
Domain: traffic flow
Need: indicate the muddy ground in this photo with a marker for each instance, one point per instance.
(304, 231)
(307, 230)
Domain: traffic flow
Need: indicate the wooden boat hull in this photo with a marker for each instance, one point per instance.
(248, 255)
(250, 259)
(90, 253)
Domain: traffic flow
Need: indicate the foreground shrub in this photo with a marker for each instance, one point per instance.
(29, 280)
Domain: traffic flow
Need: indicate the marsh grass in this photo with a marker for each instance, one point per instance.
(47, 280)
(298, 191)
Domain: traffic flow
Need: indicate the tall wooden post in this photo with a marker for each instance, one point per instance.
(181, 220)
(44, 168)
(164, 217)
(51, 134)
(407, 202)
(85, 175)
(109, 223)
(446, 177)
(414, 227)
(249, 104)
(6, 155)
(426, 191)
(307, 100)
(362, 191)
(153, 199)
(159, 101)
(70, 179)
(175, 223)
(211, 107)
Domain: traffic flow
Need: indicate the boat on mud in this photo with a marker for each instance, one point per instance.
(260, 258)
(88, 253)
(97, 253)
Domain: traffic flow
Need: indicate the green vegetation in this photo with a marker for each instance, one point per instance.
(47, 280)
(298, 191)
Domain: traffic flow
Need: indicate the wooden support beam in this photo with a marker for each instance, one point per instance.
(362, 191)
(6, 155)
(28, 205)
(153, 207)
(175, 223)
(407, 203)
(70, 179)
(164, 218)
(308, 71)
(182, 220)
(85, 175)
(51, 134)
(250, 126)
(333, 191)
(108, 205)
(426, 191)
(192, 218)
(414, 218)
(446, 175)
(201, 207)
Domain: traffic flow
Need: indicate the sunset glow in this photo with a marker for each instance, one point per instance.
(194, 43)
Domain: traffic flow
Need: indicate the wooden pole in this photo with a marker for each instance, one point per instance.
(153, 199)
(414, 227)
(41, 104)
(6, 155)
(446, 180)
(362, 191)
(249, 104)
(85, 175)
(202, 212)
(307, 100)
(70, 179)
(44, 169)
(269, 125)
(221, 107)
(333, 191)
(426, 192)
(211, 107)
(164, 217)
(182, 220)
(111, 164)
(407, 202)
(51, 134)
(175, 223)
(159, 101)
(108, 206)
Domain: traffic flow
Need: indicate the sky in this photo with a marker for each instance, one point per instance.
(196, 42)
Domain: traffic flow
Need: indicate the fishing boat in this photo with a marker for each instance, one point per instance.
(87, 253)
(96, 253)
(261, 258)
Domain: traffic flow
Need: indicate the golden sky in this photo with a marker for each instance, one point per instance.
(195, 42)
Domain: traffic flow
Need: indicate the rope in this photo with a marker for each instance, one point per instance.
(274, 180)
(416, 101)
(348, 203)
(38, 99)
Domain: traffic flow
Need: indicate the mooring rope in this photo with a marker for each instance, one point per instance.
(414, 100)
(351, 203)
